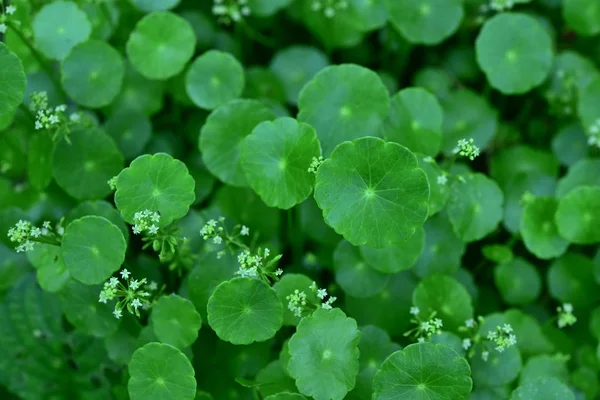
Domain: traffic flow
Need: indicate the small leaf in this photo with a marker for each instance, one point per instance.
(12, 81)
(175, 321)
(518, 281)
(354, 275)
(443, 250)
(571, 280)
(578, 215)
(391, 260)
(539, 230)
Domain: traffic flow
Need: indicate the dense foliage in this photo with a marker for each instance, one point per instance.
(294, 199)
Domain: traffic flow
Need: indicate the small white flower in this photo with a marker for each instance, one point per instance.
(421, 340)
(217, 240)
(279, 272)
(75, 117)
(466, 343)
(322, 293)
(60, 108)
(125, 274)
(113, 282)
(46, 225)
(36, 232)
(245, 11)
(136, 230)
(53, 119)
(485, 355)
(152, 286)
(568, 307)
(438, 323)
(267, 252)
(10, 10)
(136, 303)
(2, 28)
(38, 125)
(425, 325)
(470, 323)
(442, 179)
(428, 159)
(415, 310)
(507, 328)
(118, 313)
(329, 12)
(153, 230)
(245, 231)
(134, 284)
(492, 335)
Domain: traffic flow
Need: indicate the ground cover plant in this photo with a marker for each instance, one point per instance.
(300, 199)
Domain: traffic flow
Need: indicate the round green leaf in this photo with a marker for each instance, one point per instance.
(245, 310)
(543, 389)
(515, 52)
(275, 159)
(213, 79)
(344, 102)
(83, 166)
(161, 44)
(92, 73)
(93, 248)
(155, 5)
(59, 26)
(439, 190)
(158, 183)
(513, 161)
(544, 366)
(324, 354)
(571, 280)
(499, 369)
(421, 372)
(39, 160)
(175, 321)
(139, 94)
(582, 173)
(475, 207)
(415, 121)
(426, 22)
(52, 274)
(539, 231)
(391, 260)
(583, 16)
(443, 249)
(445, 296)
(518, 281)
(131, 130)
(569, 145)
(160, 372)
(82, 309)
(372, 192)
(354, 275)
(99, 208)
(578, 215)
(12, 80)
(223, 134)
(295, 66)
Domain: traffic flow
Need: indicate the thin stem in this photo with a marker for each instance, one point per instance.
(40, 59)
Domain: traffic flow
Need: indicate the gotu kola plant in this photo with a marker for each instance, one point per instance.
(299, 199)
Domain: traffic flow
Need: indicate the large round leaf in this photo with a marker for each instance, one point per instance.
(175, 321)
(515, 52)
(12, 80)
(426, 21)
(275, 159)
(213, 79)
(324, 354)
(245, 310)
(83, 166)
(354, 275)
(421, 372)
(223, 135)
(344, 102)
(157, 183)
(539, 230)
(59, 26)
(578, 215)
(93, 248)
(161, 44)
(391, 260)
(160, 372)
(372, 192)
(92, 73)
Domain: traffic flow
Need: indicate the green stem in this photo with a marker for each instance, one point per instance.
(257, 36)
(40, 59)
(46, 240)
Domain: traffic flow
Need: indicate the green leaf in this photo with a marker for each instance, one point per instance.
(515, 52)
(82, 309)
(92, 73)
(324, 354)
(544, 366)
(372, 192)
(83, 167)
(571, 280)
(285, 396)
(578, 215)
(391, 260)
(39, 160)
(584, 172)
(426, 22)
(443, 250)
(344, 102)
(569, 145)
(499, 369)
(59, 26)
(160, 45)
(139, 94)
(266, 8)
(99, 208)
(439, 190)
(475, 207)
(223, 134)
(52, 273)
(508, 164)
(354, 275)
(295, 66)
(158, 183)
(518, 281)
(415, 121)
(275, 158)
(130, 129)
(155, 5)
(213, 79)
(423, 371)
(539, 230)
(160, 372)
(12, 81)
(286, 286)
(244, 310)
(175, 321)
(583, 16)
(445, 296)
(93, 248)
(543, 389)
(273, 379)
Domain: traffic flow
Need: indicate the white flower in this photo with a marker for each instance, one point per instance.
(125, 274)
(415, 310)
(267, 252)
(322, 293)
(428, 159)
(245, 231)
(134, 284)
(438, 323)
(568, 307)
(512, 340)
(117, 313)
(470, 323)
(75, 117)
(36, 232)
(329, 12)
(10, 10)
(313, 286)
(485, 355)
(466, 343)
(492, 335)
(136, 230)
(507, 328)
(153, 230)
(2, 28)
(279, 272)
(113, 282)
(60, 108)
(46, 225)
(425, 325)
(217, 240)
(53, 119)
(152, 286)
(421, 340)
(136, 303)
(442, 179)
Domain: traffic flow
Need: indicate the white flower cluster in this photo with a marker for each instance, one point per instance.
(296, 302)
(315, 164)
(251, 264)
(502, 337)
(132, 297)
(10, 10)
(211, 230)
(146, 221)
(431, 327)
(329, 7)
(594, 130)
(24, 234)
(442, 179)
(231, 10)
(112, 182)
(466, 148)
(565, 315)
(321, 294)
